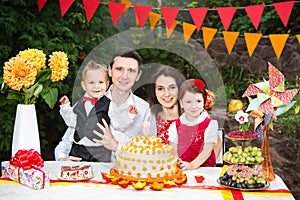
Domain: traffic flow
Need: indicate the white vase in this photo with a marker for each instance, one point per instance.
(26, 133)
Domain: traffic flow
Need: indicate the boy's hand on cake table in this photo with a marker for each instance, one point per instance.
(108, 140)
(64, 100)
(70, 158)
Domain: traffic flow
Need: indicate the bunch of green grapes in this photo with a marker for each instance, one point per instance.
(248, 155)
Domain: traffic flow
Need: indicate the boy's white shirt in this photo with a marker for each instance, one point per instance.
(210, 133)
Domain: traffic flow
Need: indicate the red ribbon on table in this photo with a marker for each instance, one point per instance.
(27, 159)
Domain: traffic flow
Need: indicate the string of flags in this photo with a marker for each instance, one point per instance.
(169, 14)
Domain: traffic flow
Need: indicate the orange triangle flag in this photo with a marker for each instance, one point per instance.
(41, 4)
(188, 30)
(298, 37)
(284, 10)
(115, 10)
(127, 5)
(226, 15)
(230, 38)
(170, 31)
(64, 6)
(208, 35)
(278, 41)
(90, 6)
(154, 17)
(169, 13)
(252, 40)
(198, 15)
(142, 13)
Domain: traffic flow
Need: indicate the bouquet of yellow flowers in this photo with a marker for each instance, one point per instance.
(26, 76)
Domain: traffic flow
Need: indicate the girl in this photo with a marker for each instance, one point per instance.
(194, 134)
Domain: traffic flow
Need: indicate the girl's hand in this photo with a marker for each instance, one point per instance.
(185, 165)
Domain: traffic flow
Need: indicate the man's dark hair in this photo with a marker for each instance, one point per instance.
(126, 52)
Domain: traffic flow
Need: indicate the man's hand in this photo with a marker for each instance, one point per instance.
(108, 140)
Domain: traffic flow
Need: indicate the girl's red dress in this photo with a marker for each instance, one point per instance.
(191, 141)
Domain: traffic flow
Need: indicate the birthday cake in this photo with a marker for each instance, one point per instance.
(76, 172)
(146, 158)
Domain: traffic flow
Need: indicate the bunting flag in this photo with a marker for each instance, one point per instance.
(170, 30)
(255, 13)
(284, 10)
(169, 13)
(90, 7)
(252, 40)
(226, 15)
(208, 35)
(115, 10)
(64, 6)
(198, 15)
(188, 30)
(230, 38)
(278, 41)
(41, 4)
(298, 37)
(142, 13)
(154, 18)
(127, 5)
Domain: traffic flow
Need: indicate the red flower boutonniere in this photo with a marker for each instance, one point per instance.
(132, 109)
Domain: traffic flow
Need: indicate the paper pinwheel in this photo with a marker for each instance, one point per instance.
(271, 96)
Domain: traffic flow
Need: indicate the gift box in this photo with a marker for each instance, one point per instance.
(26, 170)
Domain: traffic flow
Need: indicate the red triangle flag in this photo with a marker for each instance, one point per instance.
(142, 13)
(226, 15)
(90, 7)
(198, 15)
(284, 10)
(115, 10)
(169, 13)
(41, 4)
(255, 13)
(64, 6)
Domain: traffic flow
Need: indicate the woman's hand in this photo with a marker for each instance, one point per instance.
(108, 140)
(70, 158)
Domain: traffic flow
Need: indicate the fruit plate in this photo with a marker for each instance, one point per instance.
(245, 189)
(240, 139)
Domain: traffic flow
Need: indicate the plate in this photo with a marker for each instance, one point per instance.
(241, 139)
(74, 180)
(244, 189)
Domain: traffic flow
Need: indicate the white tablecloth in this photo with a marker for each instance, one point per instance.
(95, 190)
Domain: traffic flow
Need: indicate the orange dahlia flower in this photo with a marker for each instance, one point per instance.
(37, 57)
(58, 63)
(19, 73)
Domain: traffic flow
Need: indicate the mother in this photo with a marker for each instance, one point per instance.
(163, 98)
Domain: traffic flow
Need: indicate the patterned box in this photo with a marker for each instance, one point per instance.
(34, 178)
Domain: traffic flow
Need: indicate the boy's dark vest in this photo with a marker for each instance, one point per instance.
(84, 128)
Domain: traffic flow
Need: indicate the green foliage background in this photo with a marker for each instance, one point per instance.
(23, 26)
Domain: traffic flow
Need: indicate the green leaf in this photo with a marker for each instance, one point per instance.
(43, 75)
(14, 96)
(50, 95)
(38, 90)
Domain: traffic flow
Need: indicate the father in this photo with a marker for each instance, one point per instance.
(128, 112)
